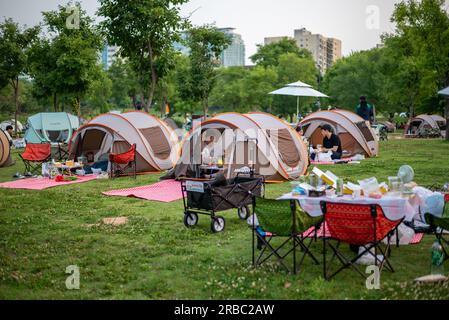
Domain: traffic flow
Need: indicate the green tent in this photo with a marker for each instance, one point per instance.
(51, 127)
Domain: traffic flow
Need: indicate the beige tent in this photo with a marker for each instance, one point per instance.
(157, 145)
(5, 159)
(355, 134)
(425, 121)
(260, 139)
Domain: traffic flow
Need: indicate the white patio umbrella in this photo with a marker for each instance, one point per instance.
(444, 92)
(299, 89)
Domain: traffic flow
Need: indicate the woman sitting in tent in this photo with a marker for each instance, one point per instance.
(331, 143)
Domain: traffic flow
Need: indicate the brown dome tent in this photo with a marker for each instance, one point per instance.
(355, 134)
(157, 146)
(5, 151)
(423, 122)
(255, 139)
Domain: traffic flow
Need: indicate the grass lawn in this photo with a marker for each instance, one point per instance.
(155, 257)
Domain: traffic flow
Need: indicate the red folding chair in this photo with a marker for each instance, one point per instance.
(121, 162)
(34, 155)
(363, 225)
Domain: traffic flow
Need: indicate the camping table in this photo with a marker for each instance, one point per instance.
(68, 170)
(395, 208)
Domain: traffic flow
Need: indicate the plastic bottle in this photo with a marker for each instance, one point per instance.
(340, 186)
(437, 259)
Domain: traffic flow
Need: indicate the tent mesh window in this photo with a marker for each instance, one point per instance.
(286, 146)
(58, 135)
(365, 131)
(157, 140)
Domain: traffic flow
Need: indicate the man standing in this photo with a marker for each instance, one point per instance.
(365, 110)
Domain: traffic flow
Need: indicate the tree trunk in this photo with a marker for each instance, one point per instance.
(447, 118)
(205, 107)
(153, 78)
(16, 101)
(78, 107)
(55, 102)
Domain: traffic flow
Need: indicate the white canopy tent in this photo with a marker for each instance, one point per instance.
(299, 89)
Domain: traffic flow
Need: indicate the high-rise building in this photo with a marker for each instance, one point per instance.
(108, 56)
(325, 51)
(234, 54)
(270, 40)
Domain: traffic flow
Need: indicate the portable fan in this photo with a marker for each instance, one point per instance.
(406, 174)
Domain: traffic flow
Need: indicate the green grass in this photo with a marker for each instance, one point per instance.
(156, 257)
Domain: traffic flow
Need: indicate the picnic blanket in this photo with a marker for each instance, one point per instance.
(340, 161)
(42, 183)
(164, 191)
(417, 238)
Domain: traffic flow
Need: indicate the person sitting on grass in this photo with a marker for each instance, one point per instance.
(9, 132)
(331, 142)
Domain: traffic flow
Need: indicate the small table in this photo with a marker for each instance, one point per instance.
(395, 208)
(67, 170)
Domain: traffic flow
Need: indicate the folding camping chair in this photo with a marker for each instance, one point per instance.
(363, 225)
(440, 227)
(34, 156)
(63, 151)
(282, 219)
(123, 161)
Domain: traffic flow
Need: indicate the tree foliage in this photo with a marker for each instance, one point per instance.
(206, 43)
(145, 30)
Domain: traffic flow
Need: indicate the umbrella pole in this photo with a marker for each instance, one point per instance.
(297, 108)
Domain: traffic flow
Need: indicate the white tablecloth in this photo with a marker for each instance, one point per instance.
(395, 208)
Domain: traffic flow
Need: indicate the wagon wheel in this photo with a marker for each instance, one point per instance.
(243, 212)
(217, 224)
(190, 219)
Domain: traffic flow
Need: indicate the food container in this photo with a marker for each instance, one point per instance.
(369, 185)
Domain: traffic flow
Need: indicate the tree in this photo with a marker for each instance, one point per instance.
(228, 89)
(67, 63)
(100, 93)
(14, 45)
(353, 76)
(125, 86)
(425, 24)
(256, 86)
(145, 30)
(206, 43)
(268, 55)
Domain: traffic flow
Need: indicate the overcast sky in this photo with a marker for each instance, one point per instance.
(358, 23)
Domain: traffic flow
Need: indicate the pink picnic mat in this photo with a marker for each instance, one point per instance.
(331, 162)
(164, 191)
(417, 238)
(41, 183)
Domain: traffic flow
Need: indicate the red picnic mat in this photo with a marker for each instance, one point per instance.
(164, 191)
(42, 183)
(310, 233)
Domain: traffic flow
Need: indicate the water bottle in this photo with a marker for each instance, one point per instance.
(437, 266)
(340, 187)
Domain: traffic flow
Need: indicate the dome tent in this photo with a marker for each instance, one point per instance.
(355, 134)
(5, 150)
(424, 121)
(157, 146)
(276, 150)
(51, 127)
